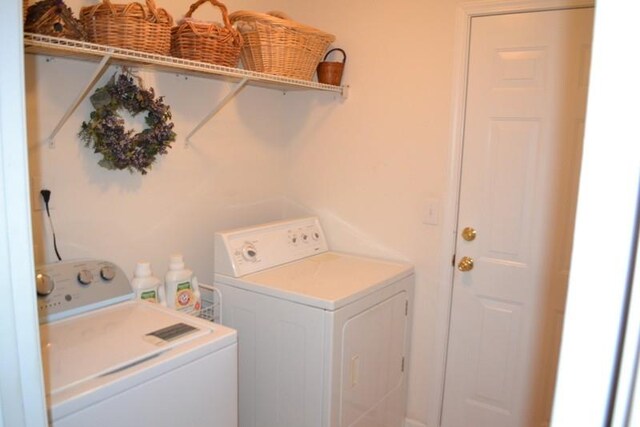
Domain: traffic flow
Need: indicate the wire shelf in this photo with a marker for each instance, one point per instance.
(108, 55)
(55, 46)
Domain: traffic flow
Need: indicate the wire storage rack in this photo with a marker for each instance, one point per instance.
(211, 300)
(105, 56)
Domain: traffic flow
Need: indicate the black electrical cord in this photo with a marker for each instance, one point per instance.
(46, 196)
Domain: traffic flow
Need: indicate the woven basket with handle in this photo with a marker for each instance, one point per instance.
(130, 26)
(275, 44)
(204, 41)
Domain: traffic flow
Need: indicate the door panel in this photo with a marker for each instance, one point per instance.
(525, 110)
(511, 149)
(373, 344)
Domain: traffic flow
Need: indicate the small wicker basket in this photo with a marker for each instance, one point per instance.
(130, 26)
(207, 42)
(275, 44)
(330, 72)
(25, 6)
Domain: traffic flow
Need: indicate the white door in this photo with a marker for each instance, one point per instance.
(526, 94)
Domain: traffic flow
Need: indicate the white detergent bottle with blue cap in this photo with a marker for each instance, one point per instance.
(181, 287)
(146, 286)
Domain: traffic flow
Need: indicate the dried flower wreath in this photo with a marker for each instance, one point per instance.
(105, 132)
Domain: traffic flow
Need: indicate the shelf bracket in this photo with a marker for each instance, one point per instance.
(344, 92)
(102, 66)
(232, 93)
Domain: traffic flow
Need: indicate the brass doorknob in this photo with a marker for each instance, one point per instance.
(465, 264)
(469, 234)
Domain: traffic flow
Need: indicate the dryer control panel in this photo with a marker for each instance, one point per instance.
(73, 287)
(247, 250)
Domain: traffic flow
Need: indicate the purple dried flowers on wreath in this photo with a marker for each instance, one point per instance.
(105, 132)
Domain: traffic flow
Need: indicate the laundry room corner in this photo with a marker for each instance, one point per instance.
(229, 172)
(398, 249)
(375, 166)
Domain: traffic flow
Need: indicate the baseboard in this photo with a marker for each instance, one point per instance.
(413, 423)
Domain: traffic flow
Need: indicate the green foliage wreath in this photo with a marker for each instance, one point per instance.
(105, 132)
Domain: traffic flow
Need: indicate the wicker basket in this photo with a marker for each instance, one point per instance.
(25, 6)
(207, 42)
(275, 44)
(130, 26)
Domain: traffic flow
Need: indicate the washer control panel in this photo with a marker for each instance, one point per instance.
(72, 287)
(248, 250)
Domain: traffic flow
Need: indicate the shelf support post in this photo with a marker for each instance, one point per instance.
(102, 66)
(232, 93)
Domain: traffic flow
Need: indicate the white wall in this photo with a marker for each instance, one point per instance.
(367, 165)
(233, 173)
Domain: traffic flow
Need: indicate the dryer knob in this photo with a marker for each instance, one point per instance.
(249, 252)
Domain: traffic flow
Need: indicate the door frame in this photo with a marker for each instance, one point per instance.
(464, 14)
(22, 397)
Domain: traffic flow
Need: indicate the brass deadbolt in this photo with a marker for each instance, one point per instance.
(469, 234)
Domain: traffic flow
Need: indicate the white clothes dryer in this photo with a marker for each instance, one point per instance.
(110, 360)
(323, 336)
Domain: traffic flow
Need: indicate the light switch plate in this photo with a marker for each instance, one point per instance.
(431, 213)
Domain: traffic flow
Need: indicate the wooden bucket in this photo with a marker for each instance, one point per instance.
(330, 72)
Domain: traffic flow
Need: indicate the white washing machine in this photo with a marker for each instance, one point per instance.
(323, 336)
(110, 360)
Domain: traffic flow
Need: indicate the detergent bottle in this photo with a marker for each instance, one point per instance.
(181, 287)
(146, 286)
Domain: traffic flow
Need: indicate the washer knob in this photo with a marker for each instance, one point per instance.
(249, 252)
(85, 277)
(44, 284)
(108, 273)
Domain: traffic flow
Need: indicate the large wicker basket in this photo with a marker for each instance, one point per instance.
(275, 44)
(207, 42)
(130, 26)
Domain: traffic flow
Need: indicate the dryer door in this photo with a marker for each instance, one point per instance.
(372, 386)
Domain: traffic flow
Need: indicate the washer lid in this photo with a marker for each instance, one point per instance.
(329, 281)
(84, 347)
